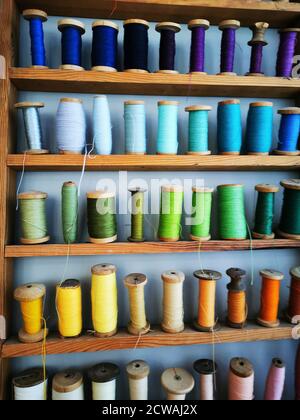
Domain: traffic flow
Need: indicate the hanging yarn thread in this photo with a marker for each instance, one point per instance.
(170, 213)
(102, 222)
(68, 386)
(297, 375)
(31, 299)
(207, 371)
(237, 302)
(137, 215)
(173, 310)
(270, 296)
(105, 46)
(201, 214)
(104, 300)
(264, 213)
(70, 126)
(69, 206)
(231, 210)
(275, 381)
(257, 43)
(167, 136)
(30, 385)
(102, 127)
(136, 45)
(206, 319)
(167, 50)
(289, 227)
(289, 132)
(241, 380)
(135, 128)
(104, 380)
(286, 51)
(69, 308)
(38, 52)
(33, 218)
(198, 130)
(259, 135)
(33, 127)
(197, 59)
(71, 43)
(138, 372)
(229, 127)
(177, 383)
(229, 28)
(135, 283)
(294, 300)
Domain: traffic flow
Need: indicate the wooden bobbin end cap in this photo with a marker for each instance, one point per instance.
(35, 13)
(140, 71)
(295, 273)
(286, 153)
(104, 69)
(236, 326)
(289, 111)
(108, 23)
(103, 269)
(268, 324)
(26, 338)
(199, 23)
(201, 328)
(202, 239)
(65, 23)
(208, 275)
(263, 236)
(237, 276)
(291, 184)
(289, 30)
(229, 153)
(208, 190)
(138, 369)
(288, 235)
(227, 73)
(138, 331)
(71, 67)
(29, 378)
(21, 105)
(266, 188)
(173, 277)
(207, 153)
(136, 21)
(134, 103)
(69, 284)
(168, 72)
(104, 372)
(67, 381)
(69, 184)
(272, 274)
(259, 29)
(135, 280)
(32, 195)
(241, 367)
(230, 186)
(171, 26)
(100, 194)
(230, 24)
(29, 292)
(38, 241)
(172, 188)
(205, 367)
(162, 103)
(106, 334)
(230, 102)
(177, 381)
(100, 241)
(278, 363)
(37, 152)
(255, 74)
(198, 108)
(261, 103)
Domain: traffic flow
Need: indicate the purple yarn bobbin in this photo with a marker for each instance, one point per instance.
(228, 50)
(288, 41)
(197, 50)
(256, 58)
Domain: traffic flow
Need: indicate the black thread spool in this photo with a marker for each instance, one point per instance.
(236, 285)
(136, 45)
(257, 43)
(167, 49)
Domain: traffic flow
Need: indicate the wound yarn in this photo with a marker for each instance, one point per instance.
(275, 381)
(135, 128)
(102, 126)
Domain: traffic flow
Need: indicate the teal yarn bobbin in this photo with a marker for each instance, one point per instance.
(259, 133)
(198, 129)
(230, 134)
(289, 227)
(167, 136)
(264, 213)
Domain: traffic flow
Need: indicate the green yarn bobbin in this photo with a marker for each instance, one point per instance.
(102, 221)
(231, 212)
(201, 214)
(69, 209)
(290, 217)
(170, 213)
(137, 215)
(264, 214)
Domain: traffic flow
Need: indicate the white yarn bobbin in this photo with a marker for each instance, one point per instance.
(177, 383)
(138, 372)
(103, 377)
(68, 386)
(207, 370)
(173, 311)
(31, 385)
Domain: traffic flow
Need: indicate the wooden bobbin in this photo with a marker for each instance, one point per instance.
(134, 191)
(290, 184)
(137, 371)
(171, 26)
(29, 293)
(30, 378)
(172, 277)
(95, 195)
(110, 24)
(67, 381)
(29, 14)
(265, 188)
(207, 275)
(199, 23)
(272, 275)
(195, 108)
(258, 29)
(74, 23)
(196, 189)
(236, 285)
(229, 24)
(205, 367)
(177, 383)
(288, 111)
(103, 373)
(295, 274)
(69, 284)
(140, 22)
(132, 281)
(241, 367)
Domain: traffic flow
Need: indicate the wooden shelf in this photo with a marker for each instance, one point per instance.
(153, 84)
(12, 348)
(250, 11)
(125, 248)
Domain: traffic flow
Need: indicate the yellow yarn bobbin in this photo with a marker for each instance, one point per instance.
(69, 308)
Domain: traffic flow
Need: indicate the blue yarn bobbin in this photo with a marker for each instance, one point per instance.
(36, 18)
(136, 46)
(167, 136)
(230, 136)
(105, 46)
(198, 130)
(135, 128)
(289, 132)
(259, 133)
(71, 43)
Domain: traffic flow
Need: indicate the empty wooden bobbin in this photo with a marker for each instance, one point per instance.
(199, 23)
(241, 367)
(270, 275)
(170, 26)
(237, 285)
(173, 285)
(107, 23)
(177, 383)
(95, 195)
(294, 300)
(73, 23)
(265, 188)
(290, 184)
(138, 372)
(288, 111)
(136, 282)
(29, 14)
(229, 24)
(206, 367)
(30, 378)
(67, 381)
(259, 30)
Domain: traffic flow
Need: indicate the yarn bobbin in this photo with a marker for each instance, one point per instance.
(140, 22)
(30, 378)
(101, 195)
(265, 188)
(258, 29)
(67, 381)
(169, 26)
(203, 190)
(224, 103)
(133, 191)
(290, 184)
(71, 23)
(107, 23)
(172, 278)
(295, 274)
(104, 372)
(69, 284)
(272, 275)
(229, 24)
(70, 100)
(29, 14)
(241, 367)
(138, 369)
(195, 108)
(177, 383)
(236, 285)
(288, 111)
(199, 23)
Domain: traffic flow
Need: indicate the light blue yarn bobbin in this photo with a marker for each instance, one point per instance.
(230, 134)
(198, 129)
(289, 132)
(167, 136)
(102, 128)
(259, 135)
(135, 128)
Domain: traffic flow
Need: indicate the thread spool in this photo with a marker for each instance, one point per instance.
(201, 216)
(289, 132)
(206, 320)
(167, 50)
(104, 379)
(173, 310)
(71, 43)
(257, 43)
(102, 223)
(198, 130)
(30, 385)
(167, 136)
(177, 383)
(231, 210)
(265, 209)
(68, 386)
(289, 227)
(237, 303)
(294, 300)
(105, 46)
(275, 381)
(197, 60)
(38, 53)
(135, 128)
(259, 135)
(137, 215)
(229, 28)
(138, 372)
(136, 46)
(135, 283)
(102, 128)
(69, 207)
(297, 375)
(170, 213)
(104, 300)
(31, 296)
(33, 218)
(286, 51)
(33, 127)
(69, 308)
(241, 380)
(270, 295)
(207, 370)
(229, 134)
